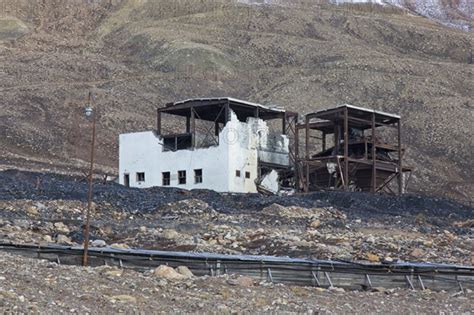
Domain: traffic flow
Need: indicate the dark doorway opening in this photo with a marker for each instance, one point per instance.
(126, 180)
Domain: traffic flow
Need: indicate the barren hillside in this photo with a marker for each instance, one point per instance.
(136, 55)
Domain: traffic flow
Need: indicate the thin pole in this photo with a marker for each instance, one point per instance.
(400, 170)
(346, 149)
(374, 153)
(89, 200)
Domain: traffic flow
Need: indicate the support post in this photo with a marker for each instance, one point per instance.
(193, 128)
(227, 113)
(188, 124)
(324, 141)
(283, 124)
(400, 165)
(85, 257)
(374, 152)
(346, 149)
(158, 122)
(306, 181)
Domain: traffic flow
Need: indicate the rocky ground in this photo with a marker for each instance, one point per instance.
(46, 208)
(37, 286)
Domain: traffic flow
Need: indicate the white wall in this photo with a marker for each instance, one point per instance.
(237, 150)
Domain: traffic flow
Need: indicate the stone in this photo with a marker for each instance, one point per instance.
(63, 239)
(168, 273)
(98, 243)
(61, 227)
(142, 229)
(47, 239)
(417, 253)
(373, 257)
(185, 271)
(388, 259)
(124, 298)
(115, 272)
(336, 289)
(378, 289)
(170, 234)
(33, 210)
(315, 224)
(242, 281)
(120, 246)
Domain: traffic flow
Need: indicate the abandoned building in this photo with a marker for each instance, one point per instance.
(230, 145)
(350, 148)
(223, 144)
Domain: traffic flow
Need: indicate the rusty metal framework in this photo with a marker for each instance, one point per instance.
(358, 159)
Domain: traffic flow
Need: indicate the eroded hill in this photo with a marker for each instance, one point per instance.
(137, 55)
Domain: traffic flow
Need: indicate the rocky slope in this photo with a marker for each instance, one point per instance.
(137, 55)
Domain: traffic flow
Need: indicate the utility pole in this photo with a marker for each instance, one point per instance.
(89, 111)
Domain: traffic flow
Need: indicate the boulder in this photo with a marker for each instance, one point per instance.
(185, 271)
(168, 273)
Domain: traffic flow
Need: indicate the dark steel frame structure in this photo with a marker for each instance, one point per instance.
(368, 172)
(217, 110)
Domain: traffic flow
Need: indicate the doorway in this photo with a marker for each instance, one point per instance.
(126, 180)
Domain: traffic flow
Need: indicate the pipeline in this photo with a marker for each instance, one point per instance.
(291, 271)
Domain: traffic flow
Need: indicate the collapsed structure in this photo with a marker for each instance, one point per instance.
(230, 145)
(350, 148)
(224, 144)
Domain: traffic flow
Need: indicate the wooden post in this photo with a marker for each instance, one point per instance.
(374, 153)
(400, 170)
(346, 149)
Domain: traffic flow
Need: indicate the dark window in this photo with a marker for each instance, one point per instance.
(247, 174)
(166, 178)
(182, 177)
(237, 173)
(198, 176)
(140, 177)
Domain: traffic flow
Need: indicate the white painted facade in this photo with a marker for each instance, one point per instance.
(230, 166)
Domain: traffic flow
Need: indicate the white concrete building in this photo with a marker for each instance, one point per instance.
(227, 145)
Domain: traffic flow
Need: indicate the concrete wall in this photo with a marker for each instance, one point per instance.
(239, 146)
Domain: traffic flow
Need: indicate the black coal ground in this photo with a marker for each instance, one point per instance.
(18, 185)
